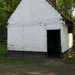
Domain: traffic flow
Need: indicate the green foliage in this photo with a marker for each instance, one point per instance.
(6, 9)
(64, 7)
(70, 61)
(3, 51)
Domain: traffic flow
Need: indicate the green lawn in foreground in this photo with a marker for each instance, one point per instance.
(4, 59)
(3, 51)
(70, 61)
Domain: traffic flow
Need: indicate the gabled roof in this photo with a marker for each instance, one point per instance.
(64, 17)
(53, 2)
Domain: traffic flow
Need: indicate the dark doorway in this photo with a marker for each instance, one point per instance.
(53, 44)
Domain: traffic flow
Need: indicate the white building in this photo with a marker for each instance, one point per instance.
(36, 27)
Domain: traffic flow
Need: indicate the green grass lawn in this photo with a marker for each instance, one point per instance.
(3, 52)
(4, 59)
(70, 61)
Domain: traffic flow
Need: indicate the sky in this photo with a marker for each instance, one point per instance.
(73, 11)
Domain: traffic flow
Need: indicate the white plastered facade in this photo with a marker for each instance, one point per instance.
(28, 25)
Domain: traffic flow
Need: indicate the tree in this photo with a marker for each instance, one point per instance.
(64, 7)
(6, 9)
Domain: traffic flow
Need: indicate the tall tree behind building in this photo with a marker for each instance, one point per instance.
(6, 9)
(64, 7)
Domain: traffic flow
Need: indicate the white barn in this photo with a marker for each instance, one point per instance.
(37, 28)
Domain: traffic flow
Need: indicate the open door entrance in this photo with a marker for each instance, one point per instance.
(53, 43)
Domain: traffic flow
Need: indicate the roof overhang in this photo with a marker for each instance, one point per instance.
(64, 18)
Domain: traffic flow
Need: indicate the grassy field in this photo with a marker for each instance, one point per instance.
(3, 52)
(4, 59)
(70, 61)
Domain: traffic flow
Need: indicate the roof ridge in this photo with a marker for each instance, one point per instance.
(64, 17)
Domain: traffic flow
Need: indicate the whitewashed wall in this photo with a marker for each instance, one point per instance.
(64, 38)
(29, 38)
(70, 35)
(32, 12)
(28, 25)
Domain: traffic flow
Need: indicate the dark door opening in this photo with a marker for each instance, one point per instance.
(53, 44)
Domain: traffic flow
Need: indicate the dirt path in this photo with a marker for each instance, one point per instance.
(48, 67)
